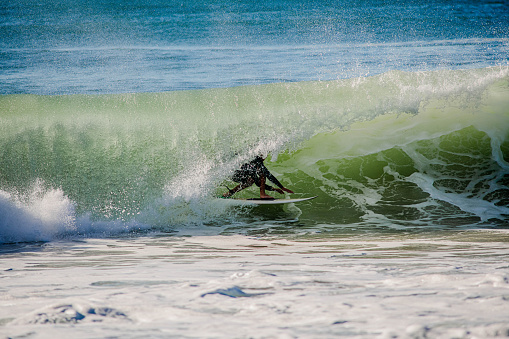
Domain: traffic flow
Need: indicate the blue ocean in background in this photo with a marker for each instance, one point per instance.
(97, 47)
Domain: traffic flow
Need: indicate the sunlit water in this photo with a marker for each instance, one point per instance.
(120, 124)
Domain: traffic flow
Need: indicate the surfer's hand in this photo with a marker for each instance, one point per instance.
(286, 190)
(280, 191)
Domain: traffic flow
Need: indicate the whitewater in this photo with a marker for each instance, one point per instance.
(122, 123)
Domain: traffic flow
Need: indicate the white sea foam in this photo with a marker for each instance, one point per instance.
(45, 214)
(40, 216)
(230, 287)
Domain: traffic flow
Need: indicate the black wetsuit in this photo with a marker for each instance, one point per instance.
(255, 169)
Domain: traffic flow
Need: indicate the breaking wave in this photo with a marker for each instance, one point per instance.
(401, 149)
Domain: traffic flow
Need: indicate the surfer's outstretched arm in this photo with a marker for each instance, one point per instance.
(275, 181)
(265, 172)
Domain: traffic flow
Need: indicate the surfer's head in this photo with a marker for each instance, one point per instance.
(261, 157)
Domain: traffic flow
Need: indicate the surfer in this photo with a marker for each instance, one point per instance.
(255, 172)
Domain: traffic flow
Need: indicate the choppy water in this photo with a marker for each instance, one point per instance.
(453, 285)
(121, 122)
(97, 47)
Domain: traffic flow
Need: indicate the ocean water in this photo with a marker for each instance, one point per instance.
(122, 121)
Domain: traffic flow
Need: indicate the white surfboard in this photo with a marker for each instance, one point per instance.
(258, 201)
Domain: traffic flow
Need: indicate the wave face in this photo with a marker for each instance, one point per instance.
(397, 150)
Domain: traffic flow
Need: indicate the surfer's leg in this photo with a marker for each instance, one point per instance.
(263, 195)
(245, 184)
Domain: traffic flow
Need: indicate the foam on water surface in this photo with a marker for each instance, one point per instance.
(215, 286)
